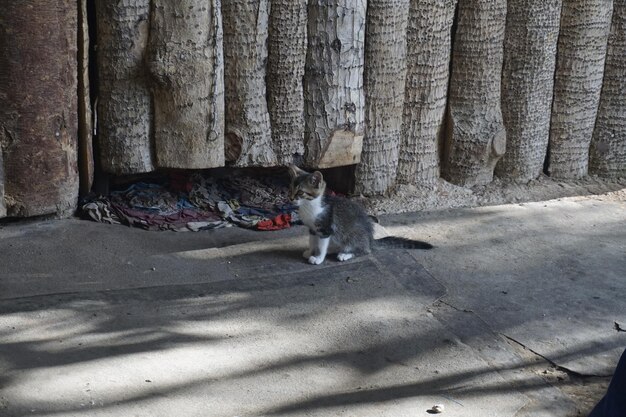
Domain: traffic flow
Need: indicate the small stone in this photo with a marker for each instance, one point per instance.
(436, 409)
(153, 269)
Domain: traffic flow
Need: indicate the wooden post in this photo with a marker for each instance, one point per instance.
(85, 125)
(124, 103)
(426, 92)
(384, 81)
(608, 147)
(476, 138)
(285, 69)
(3, 206)
(38, 115)
(184, 57)
(248, 130)
(585, 26)
(532, 32)
(334, 100)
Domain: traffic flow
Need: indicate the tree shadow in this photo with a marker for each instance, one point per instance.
(384, 336)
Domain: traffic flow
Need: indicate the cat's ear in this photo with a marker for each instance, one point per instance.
(316, 179)
(295, 172)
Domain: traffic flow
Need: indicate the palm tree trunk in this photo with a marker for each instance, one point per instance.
(428, 71)
(384, 82)
(585, 26)
(184, 57)
(608, 147)
(530, 43)
(38, 116)
(476, 138)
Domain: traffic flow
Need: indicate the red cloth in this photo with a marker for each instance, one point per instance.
(282, 221)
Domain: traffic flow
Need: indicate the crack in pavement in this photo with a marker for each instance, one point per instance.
(463, 310)
(568, 371)
(505, 359)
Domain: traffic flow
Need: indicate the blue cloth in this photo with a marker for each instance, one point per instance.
(614, 402)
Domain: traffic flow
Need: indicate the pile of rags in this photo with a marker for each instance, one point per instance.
(197, 202)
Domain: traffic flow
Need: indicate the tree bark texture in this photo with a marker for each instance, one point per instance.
(184, 56)
(585, 26)
(476, 138)
(248, 129)
(285, 69)
(530, 43)
(3, 206)
(384, 82)
(428, 70)
(333, 81)
(124, 102)
(85, 125)
(38, 106)
(608, 147)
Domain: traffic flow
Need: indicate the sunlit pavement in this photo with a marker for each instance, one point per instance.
(100, 320)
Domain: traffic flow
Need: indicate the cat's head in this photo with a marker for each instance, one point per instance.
(304, 185)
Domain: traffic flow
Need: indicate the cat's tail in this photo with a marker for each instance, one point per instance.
(393, 242)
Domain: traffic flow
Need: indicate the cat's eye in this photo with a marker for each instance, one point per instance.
(296, 194)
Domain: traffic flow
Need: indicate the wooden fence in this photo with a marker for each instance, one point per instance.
(409, 90)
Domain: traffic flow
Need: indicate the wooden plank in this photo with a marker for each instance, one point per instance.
(85, 125)
(342, 148)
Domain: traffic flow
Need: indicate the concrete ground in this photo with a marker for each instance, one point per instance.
(518, 311)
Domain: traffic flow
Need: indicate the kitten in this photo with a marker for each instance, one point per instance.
(337, 219)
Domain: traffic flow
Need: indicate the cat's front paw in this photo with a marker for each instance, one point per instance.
(343, 256)
(316, 260)
(307, 254)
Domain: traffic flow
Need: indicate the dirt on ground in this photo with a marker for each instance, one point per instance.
(443, 195)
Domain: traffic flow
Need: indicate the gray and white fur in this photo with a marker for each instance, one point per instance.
(336, 220)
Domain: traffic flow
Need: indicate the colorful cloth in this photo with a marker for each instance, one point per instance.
(198, 202)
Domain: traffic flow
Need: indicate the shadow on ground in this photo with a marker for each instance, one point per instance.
(250, 329)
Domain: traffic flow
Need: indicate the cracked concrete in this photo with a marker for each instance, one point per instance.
(553, 364)
(549, 275)
(508, 316)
